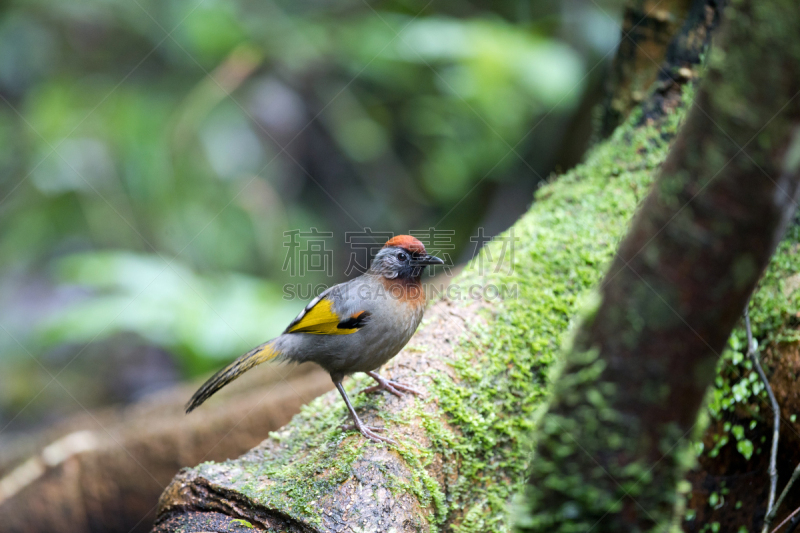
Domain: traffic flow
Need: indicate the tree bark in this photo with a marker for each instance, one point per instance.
(611, 447)
(648, 30)
(661, 50)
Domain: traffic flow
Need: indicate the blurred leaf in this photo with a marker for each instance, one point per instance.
(212, 30)
(204, 318)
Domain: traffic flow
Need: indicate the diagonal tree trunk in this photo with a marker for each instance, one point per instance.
(611, 451)
(648, 33)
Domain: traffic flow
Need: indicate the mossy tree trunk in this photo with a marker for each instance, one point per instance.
(485, 351)
(612, 448)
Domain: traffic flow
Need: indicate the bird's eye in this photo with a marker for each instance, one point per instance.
(401, 256)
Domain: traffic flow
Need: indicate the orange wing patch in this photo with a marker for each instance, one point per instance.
(321, 319)
(356, 320)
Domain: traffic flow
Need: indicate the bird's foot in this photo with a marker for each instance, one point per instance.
(394, 387)
(370, 432)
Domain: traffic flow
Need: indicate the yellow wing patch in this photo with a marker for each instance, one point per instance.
(320, 320)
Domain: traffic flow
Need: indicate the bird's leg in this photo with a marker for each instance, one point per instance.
(394, 387)
(367, 431)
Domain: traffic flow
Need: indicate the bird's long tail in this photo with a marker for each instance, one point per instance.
(256, 356)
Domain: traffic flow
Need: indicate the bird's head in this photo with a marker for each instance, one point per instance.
(402, 257)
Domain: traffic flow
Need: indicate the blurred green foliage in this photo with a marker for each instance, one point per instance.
(154, 152)
(194, 316)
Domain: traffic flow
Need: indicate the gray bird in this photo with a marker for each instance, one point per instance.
(356, 326)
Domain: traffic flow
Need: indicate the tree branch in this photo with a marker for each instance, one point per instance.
(776, 423)
(774, 511)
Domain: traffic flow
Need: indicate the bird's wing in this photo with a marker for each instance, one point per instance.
(327, 315)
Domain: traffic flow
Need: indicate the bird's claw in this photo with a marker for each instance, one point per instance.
(394, 387)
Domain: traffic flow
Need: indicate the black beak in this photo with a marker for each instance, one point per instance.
(427, 260)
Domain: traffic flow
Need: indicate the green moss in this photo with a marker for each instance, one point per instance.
(571, 231)
(313, 459)
(502, 370)
(737, 387)
(738, 392)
